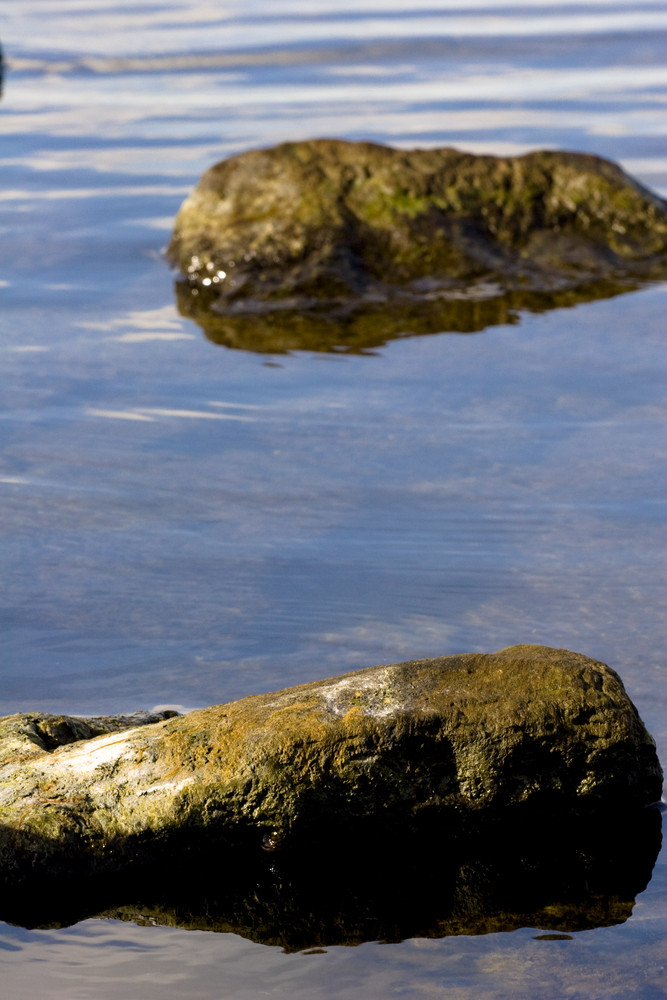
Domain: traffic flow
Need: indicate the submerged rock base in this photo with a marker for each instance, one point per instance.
(354, 328)
(438, 747)
(560, 878)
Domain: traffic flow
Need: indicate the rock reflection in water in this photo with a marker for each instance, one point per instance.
(361, 327)
(558, 880)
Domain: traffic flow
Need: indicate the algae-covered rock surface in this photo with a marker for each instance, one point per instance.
(340, 228)
(445, 744)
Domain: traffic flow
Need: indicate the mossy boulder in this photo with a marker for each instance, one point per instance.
(339, 227)
(442, 744)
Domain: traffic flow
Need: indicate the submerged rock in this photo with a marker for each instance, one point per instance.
(445, 745)
(340, 228)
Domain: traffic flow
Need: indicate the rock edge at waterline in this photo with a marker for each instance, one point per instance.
(328, 225)
(441, 744)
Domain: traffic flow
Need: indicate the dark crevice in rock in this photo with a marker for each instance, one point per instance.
(55, 731)
(27, 733)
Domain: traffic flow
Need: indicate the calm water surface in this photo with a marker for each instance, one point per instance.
(184, 524)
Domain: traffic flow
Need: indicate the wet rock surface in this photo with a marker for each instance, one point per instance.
(442, 745)
(405, 241)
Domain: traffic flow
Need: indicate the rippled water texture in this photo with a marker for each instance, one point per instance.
(185, 522)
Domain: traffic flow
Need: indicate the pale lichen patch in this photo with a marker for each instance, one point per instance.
(90, 754)
(374, 694)
(171, 787)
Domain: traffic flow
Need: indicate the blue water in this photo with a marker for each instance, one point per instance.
(185, 524)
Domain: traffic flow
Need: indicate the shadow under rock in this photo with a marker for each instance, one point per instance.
(358, 326)
(565, 878)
